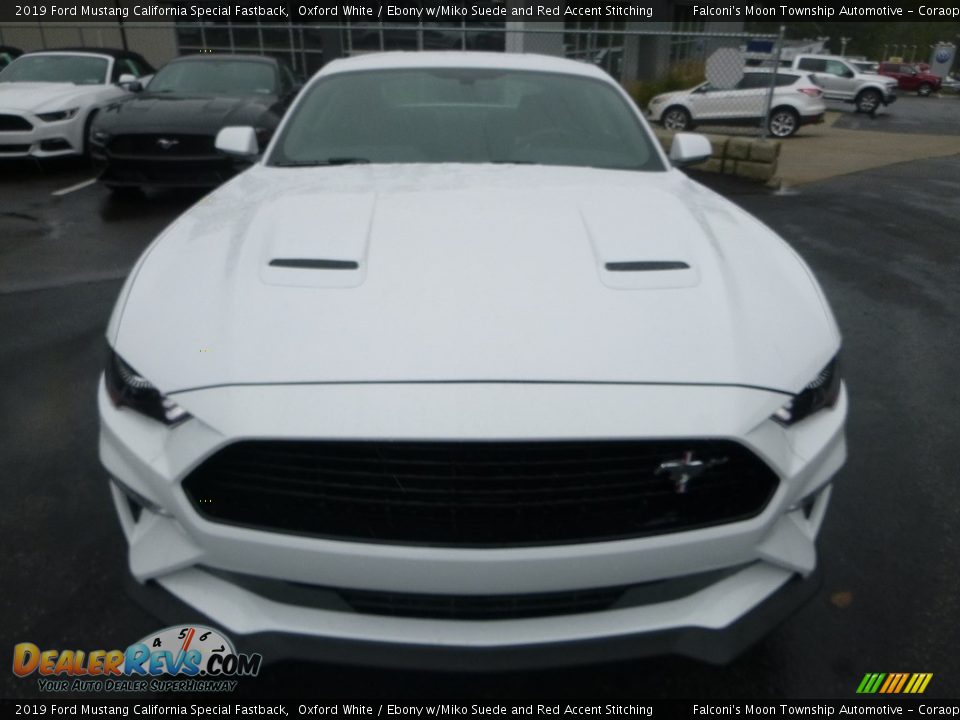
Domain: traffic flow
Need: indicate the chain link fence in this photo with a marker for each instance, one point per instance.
(664, 69)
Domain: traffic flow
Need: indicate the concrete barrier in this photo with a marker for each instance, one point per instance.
(749, 158)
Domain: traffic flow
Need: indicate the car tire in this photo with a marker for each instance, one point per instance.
(87, 128)
(125, 192)
(783, 122)
(676, 118)
(925, 90)
(868, 101)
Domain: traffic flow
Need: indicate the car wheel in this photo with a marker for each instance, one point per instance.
(87, 129)
(868, 101)
(925, 90)
(784, 122)
(676, 118)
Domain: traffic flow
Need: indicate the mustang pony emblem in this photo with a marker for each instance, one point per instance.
(167, 143)
(685, 469)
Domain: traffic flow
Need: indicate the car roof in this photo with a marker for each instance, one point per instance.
(462, 59)
(207, 57)
(109, 52)
(780, 70)
(824, 57)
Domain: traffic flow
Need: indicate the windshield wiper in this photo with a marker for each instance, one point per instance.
(328, 161)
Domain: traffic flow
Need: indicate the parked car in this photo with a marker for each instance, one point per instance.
(840, 80)
(463, 373)
(910, 78)
(8, 54)
(48, 99)
(797, 100)
(164, 135)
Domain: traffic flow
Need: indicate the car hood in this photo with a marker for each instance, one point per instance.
(419, 273)
(668, 96)
(41, 96)
(155, 112)
(872, 77)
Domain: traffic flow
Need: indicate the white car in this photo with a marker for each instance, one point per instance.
(797, 100)
(48, 99)
(841, 80)
(463, 373)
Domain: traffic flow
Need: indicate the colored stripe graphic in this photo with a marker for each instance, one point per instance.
(894, 683)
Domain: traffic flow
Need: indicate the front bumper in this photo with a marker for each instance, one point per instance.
(176, 552)
(173, 172)
(43, 139)
(717, 646)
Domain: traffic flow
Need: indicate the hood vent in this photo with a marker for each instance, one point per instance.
(314, 264)
(646, 266)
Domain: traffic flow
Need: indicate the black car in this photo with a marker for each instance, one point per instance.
(8, 55)
(164, 135)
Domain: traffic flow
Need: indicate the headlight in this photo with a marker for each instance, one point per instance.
(822, 392)
(657, 100)
(128, 388)
(59, 115)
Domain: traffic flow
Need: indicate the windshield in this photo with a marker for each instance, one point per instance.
(215, 77)
(454, 115)
(77, 69)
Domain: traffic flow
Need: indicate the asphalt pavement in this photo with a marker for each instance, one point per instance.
(885, 246)
(938, 114)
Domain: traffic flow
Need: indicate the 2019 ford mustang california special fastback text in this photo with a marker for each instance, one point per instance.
(463, 373)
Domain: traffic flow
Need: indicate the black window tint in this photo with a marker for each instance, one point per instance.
(751, 81)
(813, 64)
(784, 80)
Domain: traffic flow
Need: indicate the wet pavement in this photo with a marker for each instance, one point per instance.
(911, 114)
(884, 245)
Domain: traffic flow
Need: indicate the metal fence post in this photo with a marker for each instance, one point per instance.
(765, 120)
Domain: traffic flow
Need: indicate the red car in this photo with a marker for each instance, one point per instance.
(910, 78)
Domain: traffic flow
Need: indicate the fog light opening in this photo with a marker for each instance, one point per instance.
(138, 503)
(54, 144)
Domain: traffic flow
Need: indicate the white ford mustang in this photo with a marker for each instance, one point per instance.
(463, 373)
(48, 99)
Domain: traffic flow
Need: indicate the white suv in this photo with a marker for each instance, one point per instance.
(840, 81)
(797, 100)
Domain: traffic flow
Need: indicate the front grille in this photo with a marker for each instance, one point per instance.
(14, 148)
(477, 494)
(162, 145)
(14, 123)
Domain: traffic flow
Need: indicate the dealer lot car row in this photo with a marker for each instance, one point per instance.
(78, 102)
(48, 100)
(526, 387)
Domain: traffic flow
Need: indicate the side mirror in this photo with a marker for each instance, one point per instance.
(689, 149)
(237, 140)
(130, 82)
(848, 73)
